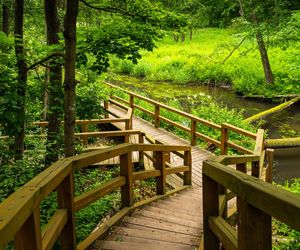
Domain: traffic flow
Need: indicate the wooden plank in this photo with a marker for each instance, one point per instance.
(53, 228)
(160, 164)
(239, 148)
(225, 233)
(187, 180)
(224, 140)
(95, 194)
(240, 130)
(177, 169)
(99, 232)
(142, 175)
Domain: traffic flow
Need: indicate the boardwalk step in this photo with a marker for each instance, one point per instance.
(119, 245)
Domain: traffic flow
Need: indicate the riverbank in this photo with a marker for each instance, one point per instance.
(202, 61)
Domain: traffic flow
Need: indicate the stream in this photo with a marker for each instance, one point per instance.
(286, 123)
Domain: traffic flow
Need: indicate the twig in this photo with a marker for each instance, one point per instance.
(40, 62)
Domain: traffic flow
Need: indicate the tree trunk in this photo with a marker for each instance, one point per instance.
(182, 37)
(21, 78)
(263, 52)
(55, 85)
(5, 19)
(191, 33)
(70, 82)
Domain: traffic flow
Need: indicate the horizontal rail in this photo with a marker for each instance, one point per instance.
(95, 194)
(258, 193)
(239, 148)
(240, 131)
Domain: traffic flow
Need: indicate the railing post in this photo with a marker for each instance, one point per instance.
(187, 177)
(255, 169)
(65, 197)
(224, 139)
(254, 227)
(29, 235)
(193, 132)
(160, 163)
(131, 101)
(106, 108)
(84, 127)
(210, 208)
(269, 170)
(126, 170)
(141, 153)
(156, 116)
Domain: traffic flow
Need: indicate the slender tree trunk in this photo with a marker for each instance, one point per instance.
(5, 19)
(191, 33)
(45, 95)
(70, 82)
(21, 79)
(263, 52)
(55, 85)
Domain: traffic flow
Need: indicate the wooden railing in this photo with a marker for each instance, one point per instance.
(257, 202)
(20, 212)
(224, 143)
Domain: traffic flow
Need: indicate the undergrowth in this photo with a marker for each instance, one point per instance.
(202, 60)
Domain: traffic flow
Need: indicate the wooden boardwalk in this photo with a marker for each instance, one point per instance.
(198, 155)
(172, 223)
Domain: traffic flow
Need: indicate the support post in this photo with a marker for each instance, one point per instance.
(269, 170)
(255, 169)
(131, 101)
(254, 228)
(160, 164)
(127, 189)
(210, 208)
(141, 153)
(65, 197)
(29, 235)
(106, 108)
(224, 139)
(193, 132)
(156, 116)
(187, 177)
(84, 127)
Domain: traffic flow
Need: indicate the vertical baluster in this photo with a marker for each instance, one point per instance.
(141, 153)
(269, 170)
(126, 170)
(187, 162)
(84, 130)
(106, 108)
(65, 196)
(193, 132)
(224, 139)
(156, 116)
(160, 163)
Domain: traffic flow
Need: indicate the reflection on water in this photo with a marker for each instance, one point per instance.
(283, 124)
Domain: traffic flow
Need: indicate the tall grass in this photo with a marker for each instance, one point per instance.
(201, 60)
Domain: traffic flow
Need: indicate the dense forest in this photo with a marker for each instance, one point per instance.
(55, 56)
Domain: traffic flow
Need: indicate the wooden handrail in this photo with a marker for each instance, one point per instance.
(19, 213)
(224, 142)
(257, 202)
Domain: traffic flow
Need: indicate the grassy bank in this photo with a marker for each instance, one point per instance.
(201, 60)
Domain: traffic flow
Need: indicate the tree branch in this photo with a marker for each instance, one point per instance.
(236, 47)
(45, 59)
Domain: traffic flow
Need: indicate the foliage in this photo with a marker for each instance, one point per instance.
(201, 61)
(284, 237)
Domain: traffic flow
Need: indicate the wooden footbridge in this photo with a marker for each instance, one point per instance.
(200, 198)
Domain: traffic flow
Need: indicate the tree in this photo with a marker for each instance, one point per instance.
(70, 81)
(21, 78)
(55, 84)
(5, 18)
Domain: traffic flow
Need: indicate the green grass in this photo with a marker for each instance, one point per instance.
(201, 60)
